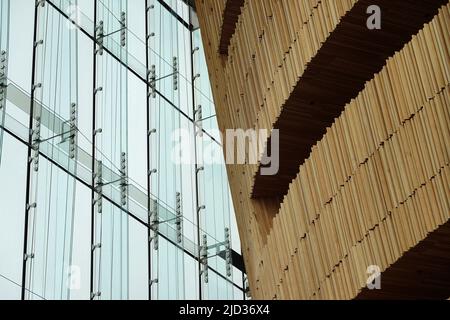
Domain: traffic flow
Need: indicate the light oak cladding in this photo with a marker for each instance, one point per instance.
(364, 119)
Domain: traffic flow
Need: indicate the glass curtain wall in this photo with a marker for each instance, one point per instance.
(112, 178)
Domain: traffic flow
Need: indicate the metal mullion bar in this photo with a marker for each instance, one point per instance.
(147, 66)
(93, 188)
(30, 150)
(197, 204)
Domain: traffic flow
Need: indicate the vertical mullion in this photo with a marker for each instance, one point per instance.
(30, 149)
(147, 66)
(192, 52)
(94, 105)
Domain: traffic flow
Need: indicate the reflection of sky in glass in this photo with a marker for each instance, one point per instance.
(121, 115)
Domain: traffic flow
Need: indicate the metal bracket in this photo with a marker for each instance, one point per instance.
(31, 206)
(36, 141)
(28, 257)
(228, 252)
(154, 224)
(200, 169)
(36, 86)
(175, 73)
(123, 179)
(147, 10)
(153, 131)
(204, 258)
(99, 36)
(96, 246)
(3, 78)
(227, 249)
(151, 78)
(38, 43)
(247, 290)
(71, 134)
(153, 171)
(199, 121)
(99, 187)
(95, 294)
(179, 218)
(73, 130)
(97, 90)
(3, 96)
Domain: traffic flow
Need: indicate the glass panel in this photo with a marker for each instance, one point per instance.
(112, 256)
(203, 93)
(170, 272)
(50, 213)
(12, 206)
(50, 231)
(4, 48)
(138, 262)
(63, 195)
(79, 266)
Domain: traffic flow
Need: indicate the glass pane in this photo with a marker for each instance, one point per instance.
(72, 184)
(12, 208)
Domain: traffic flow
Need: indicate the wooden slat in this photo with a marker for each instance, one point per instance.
(336, 73)
(372, 179)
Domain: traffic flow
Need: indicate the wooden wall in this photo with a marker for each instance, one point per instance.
(364, 159)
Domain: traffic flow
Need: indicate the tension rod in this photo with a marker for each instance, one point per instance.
(169, 75)
(54, 137)
(114, 32)
(112, 182)
(166, 221)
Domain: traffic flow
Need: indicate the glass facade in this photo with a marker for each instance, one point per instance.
(112, 178)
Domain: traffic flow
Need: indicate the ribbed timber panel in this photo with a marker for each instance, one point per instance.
(364, 120)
